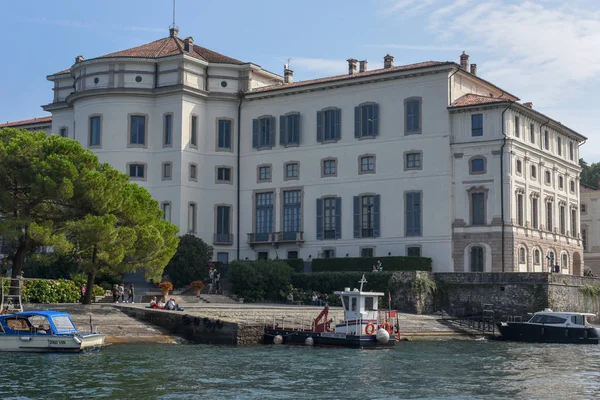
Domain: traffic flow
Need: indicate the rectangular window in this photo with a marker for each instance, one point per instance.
(533, 172)
(517, 127)
(95, 131)
(519, 167)
(167, 171)
(546, 140)
(223, 224)
(192, 217)
(168, 130)
(412, 112)
(263, 132)
(413, 213)
(559, 145)
(137, 130)
(366, 214)
(367, 164)
(583, 209)
(292, 254)
(547, 177)
(572, 186)
(412, 161)
(534, 212)
(413, 251)
(330, 122)
(549, 216)
(264, 216)
(329, 221)
(560, 182)
(367, 252)
(223, 174)
(532, 133)
(478, 209)
(561, 220)
(584, 239)
(194, 132)
(289, 129)
(137, 171)
(166, 209)
(477, 125)
(292, 209)
(224, 134)
(329, 168)
(264, 173)
(366, 120)
(63, 132)
(292, 171)
(330, 253)
(520, 210)
(193, 172)
(571, 151)
(477, 165)
(574, 223)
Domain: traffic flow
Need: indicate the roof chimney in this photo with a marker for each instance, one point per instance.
(173, 31)
(288, 74)
(528, 104)
(464, 61)
(351, 66)
(474, 69)
(188, 43)
(363, 66)
(78, 59)
(388, 61)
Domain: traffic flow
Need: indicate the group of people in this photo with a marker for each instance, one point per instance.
(169, 305)
(320, 300)
(377, 267)
(214, 281)
(118, 292)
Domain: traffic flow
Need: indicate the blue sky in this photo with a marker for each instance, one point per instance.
(544, 51)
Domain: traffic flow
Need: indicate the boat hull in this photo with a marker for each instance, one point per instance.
(51, 343)
(327, 339)
(538, 333)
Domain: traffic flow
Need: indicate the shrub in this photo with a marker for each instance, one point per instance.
(365, 264)
(259, 280)
(58, 291)
(190, 262)
(328, 282)
(297, 264)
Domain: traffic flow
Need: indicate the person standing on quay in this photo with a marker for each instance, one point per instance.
(130, 294)
(115, 293)
(122, 292)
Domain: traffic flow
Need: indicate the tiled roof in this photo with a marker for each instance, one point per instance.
(39, 120)
(166, 47)
(424, 64)
(471, 99)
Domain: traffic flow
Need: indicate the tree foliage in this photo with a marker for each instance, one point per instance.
(260, 280)
(190, 262)
(590, 174)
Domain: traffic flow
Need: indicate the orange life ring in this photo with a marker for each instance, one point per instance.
(386, 325)
(369, 329)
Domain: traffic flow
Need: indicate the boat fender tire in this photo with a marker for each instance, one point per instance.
(186, 319)
(219, 324)
(369, 329)
(386, 325)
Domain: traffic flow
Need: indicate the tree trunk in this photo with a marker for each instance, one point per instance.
(89, 287)
(18, 261)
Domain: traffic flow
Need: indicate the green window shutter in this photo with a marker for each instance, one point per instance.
(375, 119)
(272, 127)
(357, 216)
(338, 124)
(376, 213)
(282, 130)
(357, 122)
(297, 129)
(319, 219)
(255, 127)
(338, 218)
(319, 126)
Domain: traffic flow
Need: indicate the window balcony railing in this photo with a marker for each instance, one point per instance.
(258, 238)
(223, 238)
(275, 238)
(283, 237)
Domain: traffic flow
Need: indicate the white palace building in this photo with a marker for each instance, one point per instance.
(424, 159)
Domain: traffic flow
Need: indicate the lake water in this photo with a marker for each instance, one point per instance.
(423, 370)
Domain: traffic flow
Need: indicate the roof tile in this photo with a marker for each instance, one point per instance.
(471, 99)
(38, 120)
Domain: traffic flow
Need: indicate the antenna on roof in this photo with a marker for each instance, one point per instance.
(173, 29)
(288, 63)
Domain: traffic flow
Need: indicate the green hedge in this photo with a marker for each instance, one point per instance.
(52, 291)
(297, 264)
(365, 264)
(259, 280)
(328, 282)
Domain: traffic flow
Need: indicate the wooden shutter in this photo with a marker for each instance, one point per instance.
(409, 214)
(319, 219)
(376, 213)
(282, 129)
(357, 122)
(357, 216)
(375, 119)
(255, 126)
(319, 126)
(338, 124)
(272, 127)
(338, 217)
(297, 128)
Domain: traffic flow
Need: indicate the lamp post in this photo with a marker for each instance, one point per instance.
(550, 259)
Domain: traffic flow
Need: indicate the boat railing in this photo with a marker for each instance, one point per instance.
(483, 321)
(514, 318)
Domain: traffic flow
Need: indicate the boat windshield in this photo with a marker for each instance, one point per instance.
(63, 323)
(547, 319)
(578, 319)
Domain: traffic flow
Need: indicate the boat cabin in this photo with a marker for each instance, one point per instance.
(37, 322)
(549, 317)
(360, 310)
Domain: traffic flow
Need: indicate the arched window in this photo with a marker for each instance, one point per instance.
(536, 257)
(564, 261)
(551, 260)
(477, 261)
(522, 256)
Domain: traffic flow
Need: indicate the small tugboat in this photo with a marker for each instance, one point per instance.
(551, 327)
(364, 326)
